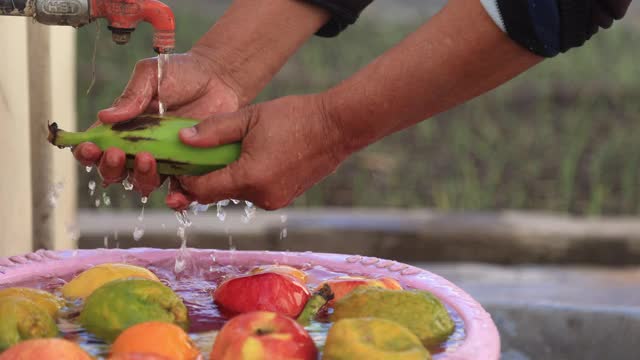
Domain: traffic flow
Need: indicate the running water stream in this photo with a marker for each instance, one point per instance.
(163, 60)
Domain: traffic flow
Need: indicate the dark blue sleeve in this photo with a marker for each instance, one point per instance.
(550, 27)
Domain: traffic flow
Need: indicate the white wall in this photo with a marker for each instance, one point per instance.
(16, 223)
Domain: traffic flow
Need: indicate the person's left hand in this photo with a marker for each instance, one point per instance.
(288, 145)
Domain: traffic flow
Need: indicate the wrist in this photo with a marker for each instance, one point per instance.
(254, 39)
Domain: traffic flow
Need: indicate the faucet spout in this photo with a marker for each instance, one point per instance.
(124, 15)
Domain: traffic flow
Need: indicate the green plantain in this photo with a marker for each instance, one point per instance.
(157, 136)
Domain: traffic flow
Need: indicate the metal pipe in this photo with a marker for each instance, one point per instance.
(17, 7)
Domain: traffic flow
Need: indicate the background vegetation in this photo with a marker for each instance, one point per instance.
(562, 137)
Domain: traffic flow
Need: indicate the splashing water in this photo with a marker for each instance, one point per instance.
(106, 200)
(73, 232)
(181, 257)
(163, 60)
(92, 187)
(88, 169)
(138, 233)
(144, 199)
(197, 208)
(220, 213)
(54, 193)
(127, 185)
(249, 212)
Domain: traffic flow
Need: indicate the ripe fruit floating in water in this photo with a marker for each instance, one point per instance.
(84, 284)
(372, 339)
(45, 349)
(45, 300)
(157, 338)
(282, 269)
(343, 285)
(157, 136)
(269, 291)
(263, 335)
(120, 304)
(22, 319)
(419, 311)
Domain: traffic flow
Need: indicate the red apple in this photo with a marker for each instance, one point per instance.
(267, 291)
(263, 335)
(343, 285)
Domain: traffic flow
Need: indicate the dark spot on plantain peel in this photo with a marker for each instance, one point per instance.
(137, 138)
(139, 123)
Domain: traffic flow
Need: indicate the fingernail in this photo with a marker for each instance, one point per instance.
(189, 132)
(144, 166)
(113, 160)
(86, 153)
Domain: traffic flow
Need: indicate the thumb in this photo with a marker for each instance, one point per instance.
(214, 186)
(136, 97)
(218, 130)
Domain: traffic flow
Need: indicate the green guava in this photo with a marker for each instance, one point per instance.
(419, 311)
(120, 304)
(22, 319)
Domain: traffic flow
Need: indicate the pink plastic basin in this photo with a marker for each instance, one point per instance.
(481, 341)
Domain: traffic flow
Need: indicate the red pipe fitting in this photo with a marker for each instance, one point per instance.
(124, 15)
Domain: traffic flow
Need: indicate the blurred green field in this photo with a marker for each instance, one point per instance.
(563, 137)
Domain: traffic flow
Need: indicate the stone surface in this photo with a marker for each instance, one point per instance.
(554, 312)
(409, 236)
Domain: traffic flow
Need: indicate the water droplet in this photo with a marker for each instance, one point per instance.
(106, 242)
(141, 216)
(198, 208)
(127, 185)
(106, 200)
(183, 218)
(235, 201)
(138, 233)
(283, 218)
(88, 169)
(97, 202)
(144, 199)
(73, 232)
(249, 212)
(232, 247)
(220, 213)
(283, 234)
(54, 193)
(223, 203)
(92, 187)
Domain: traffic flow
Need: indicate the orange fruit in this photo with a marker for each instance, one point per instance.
(281, 269)
(138, 356)
(45, 349)
(154, 338)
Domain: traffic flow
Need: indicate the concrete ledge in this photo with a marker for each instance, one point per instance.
(412, 236)
(554, 332)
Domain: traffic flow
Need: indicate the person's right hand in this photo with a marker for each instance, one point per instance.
(193, 86)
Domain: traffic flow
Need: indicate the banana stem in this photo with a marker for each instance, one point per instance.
(62, 139)
(314, 304)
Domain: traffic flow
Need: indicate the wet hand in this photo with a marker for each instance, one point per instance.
(192, 86)
(288, 145)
